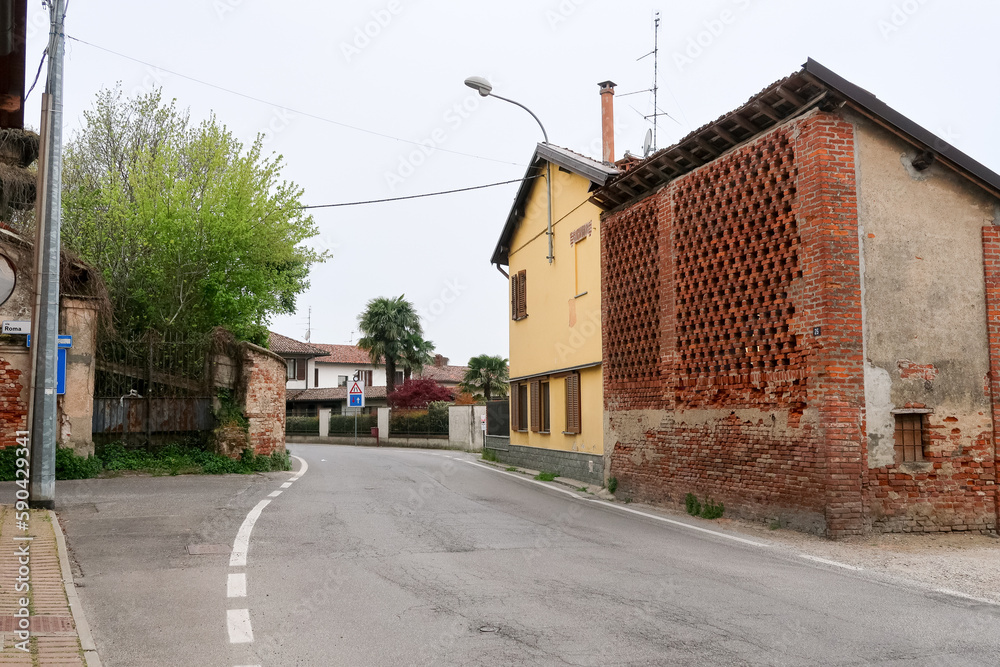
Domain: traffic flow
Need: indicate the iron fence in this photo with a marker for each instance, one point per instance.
(158, 386)
(498, 418)
(419, 423)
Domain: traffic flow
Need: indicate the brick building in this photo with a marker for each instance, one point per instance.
(801, 308)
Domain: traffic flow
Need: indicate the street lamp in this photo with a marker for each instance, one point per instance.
(485, 88)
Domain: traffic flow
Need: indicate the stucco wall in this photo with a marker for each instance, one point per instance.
(78, 318)
(926, 343)
(563, 327)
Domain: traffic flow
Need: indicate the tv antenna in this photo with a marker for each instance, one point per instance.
(656, 74)
(309, 326)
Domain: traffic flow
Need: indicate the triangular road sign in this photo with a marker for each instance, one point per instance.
(355, 389)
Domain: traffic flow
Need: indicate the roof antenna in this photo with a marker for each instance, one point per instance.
(309, 326)
(656, 62)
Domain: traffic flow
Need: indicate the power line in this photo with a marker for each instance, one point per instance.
(425, 194)
(282, 106)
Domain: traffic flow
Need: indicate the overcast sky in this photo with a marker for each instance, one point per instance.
(395, 68)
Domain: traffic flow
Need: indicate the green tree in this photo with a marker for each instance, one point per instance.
(487, 375)
(190, 228)
(390, 328)
(415, 355)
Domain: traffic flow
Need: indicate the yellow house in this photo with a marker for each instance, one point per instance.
(557, 404)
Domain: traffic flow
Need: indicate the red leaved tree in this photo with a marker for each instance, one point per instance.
(417, 393)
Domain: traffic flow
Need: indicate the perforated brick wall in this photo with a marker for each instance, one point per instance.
(735, 241)
(630, 305)
(754, 328)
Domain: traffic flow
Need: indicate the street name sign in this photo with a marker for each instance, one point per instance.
(16, 327)
(356, 395)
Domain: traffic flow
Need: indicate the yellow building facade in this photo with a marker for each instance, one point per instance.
(557, 402)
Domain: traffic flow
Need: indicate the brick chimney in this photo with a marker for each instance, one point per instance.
(608, 120)
(440, 361)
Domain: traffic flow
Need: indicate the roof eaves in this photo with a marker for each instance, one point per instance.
(596, 172)
(812, 86)
(870, 105)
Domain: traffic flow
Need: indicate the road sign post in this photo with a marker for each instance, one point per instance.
(356, 400)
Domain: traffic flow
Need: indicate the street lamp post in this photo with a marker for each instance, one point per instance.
(485, 88)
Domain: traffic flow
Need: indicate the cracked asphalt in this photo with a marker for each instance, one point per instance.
(409, 557)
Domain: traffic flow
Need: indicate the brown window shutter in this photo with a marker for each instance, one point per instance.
(573, 404)
(522, 294)
(514, 279)
(515, 414)
(536, 405)
(368, 378)
(300, 369)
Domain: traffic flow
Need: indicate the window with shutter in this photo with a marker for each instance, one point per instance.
(573, 420)
(514, 279)
(536, 406)
(522, 410)
(515, 404)
(300, 369)
(522, 294)
(546, 415)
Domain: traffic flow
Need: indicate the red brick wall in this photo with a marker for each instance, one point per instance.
(13, 410)
(831, 300)
(756, 249)
(264, 398)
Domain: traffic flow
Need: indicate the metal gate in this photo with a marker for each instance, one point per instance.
(157, 386)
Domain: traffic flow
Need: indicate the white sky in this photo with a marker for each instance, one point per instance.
(932, 60)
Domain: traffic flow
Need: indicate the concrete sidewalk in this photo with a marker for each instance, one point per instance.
(56, 633)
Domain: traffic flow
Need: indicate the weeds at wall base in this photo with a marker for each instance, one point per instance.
(116, 458)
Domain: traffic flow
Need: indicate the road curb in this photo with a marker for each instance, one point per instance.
(75, 607)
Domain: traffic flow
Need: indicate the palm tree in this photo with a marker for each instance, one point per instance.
(386, 326)
(488, 375)
(415, 355)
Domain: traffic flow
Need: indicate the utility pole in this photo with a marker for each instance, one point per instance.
(45, 315)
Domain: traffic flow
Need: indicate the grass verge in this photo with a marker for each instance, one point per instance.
(170, 460)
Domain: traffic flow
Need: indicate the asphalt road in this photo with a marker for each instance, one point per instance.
(408, 557)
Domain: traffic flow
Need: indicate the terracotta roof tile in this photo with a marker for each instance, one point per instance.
(331, 394)
(283, 345)
(446, 375)
(343, 354)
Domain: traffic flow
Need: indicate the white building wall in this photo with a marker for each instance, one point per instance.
(329, 372)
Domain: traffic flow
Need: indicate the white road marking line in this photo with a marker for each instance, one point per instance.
(275, 494)
(526, 479)
(286, 485)
(679, 523)
(664, 519)
(965, 596)
(825, 561)
(242, 542)
(236, 586)
(238, 621)
(302, 470)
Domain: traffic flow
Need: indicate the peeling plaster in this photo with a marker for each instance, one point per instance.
(878, 416)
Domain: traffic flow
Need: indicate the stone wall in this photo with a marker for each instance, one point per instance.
(587, 468)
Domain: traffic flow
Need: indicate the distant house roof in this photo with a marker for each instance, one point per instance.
(343, 354)
(811, 87)
(444, 375)
(285, 346)
(331, 394)
(598, 173)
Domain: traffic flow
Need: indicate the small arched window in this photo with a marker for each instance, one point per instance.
(7, 279)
